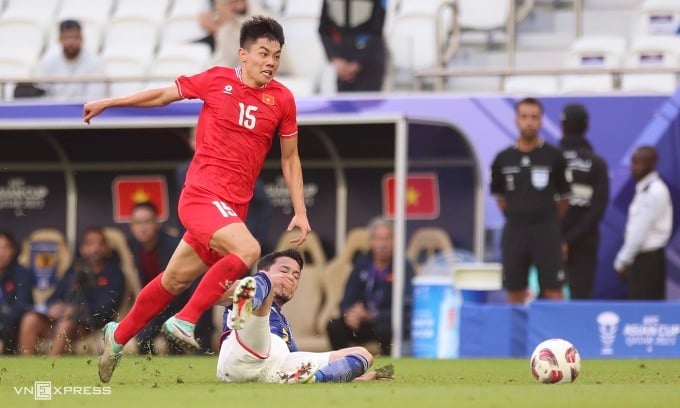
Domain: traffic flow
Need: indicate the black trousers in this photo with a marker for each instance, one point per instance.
(647, 276)
(580, 266)
(342, 336)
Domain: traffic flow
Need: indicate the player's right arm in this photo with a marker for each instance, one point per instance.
(145, 99)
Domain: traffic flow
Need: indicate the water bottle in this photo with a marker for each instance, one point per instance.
(448, 326)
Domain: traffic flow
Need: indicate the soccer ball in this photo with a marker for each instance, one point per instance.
(555, 361)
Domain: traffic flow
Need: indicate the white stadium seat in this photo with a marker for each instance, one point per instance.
(652, 51)
(172, 62)
(12, 68)
(40, 11)
(531, 85)
(96, 11)
(184, 8)
(593, 52)
(478, 19)
(121, 66)
(659, 17)
(22, 36)
(154, 10)
(304, 50)
(136, 37)
(413, 38)
(181, 30)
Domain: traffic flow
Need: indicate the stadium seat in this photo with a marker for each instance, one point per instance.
(531, 85)
(181, 29)
(123, 66)
(191, 8)
(426, 242)
(304, 50)
(339, 268)
(303, 311)
(154, 10)
(593, 52)
(173, 61)
(483, 23)
(419, 34)
(659, 17)
(298, 85)
(134, 36)
(86, 10)
(46, 254)
(652, 51)
(116, 240)
(22, 36)
(11, 67)
(39, 11)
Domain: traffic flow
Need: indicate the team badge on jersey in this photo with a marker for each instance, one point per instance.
(540, 177)
(268, 99)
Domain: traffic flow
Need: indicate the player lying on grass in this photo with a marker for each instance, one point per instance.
(258, 344)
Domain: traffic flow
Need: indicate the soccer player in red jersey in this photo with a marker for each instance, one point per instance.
(243, 108)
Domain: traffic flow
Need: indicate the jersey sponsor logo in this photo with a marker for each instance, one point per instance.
(540, 177)
(228, 89)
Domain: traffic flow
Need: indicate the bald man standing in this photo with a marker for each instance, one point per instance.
(641, 261)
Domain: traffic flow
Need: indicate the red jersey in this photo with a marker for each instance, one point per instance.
(235, 130)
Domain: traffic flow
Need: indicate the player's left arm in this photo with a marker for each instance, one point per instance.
(292, 173)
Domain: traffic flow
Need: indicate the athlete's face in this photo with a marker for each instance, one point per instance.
(288, 266)
(528, 120)
(260, 61)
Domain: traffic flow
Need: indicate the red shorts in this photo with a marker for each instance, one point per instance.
(202, 214)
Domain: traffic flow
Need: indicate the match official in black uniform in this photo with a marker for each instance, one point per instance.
(589, 196)
(529, 182)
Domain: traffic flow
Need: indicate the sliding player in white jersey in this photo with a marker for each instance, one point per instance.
(258, 344)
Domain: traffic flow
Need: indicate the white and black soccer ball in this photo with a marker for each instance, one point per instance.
(555, 361)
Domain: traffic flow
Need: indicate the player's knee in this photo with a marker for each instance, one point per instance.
(248, 250)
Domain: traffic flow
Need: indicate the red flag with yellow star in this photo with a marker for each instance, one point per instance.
(422, 196)
(131, 190)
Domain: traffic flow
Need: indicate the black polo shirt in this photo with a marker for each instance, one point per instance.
(530, 182)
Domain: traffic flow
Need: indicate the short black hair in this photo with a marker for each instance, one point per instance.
(649, 152)
(148, 205)
(574, 118)
(69, 25)
(529, 101)
(260, 27)
(268, 260)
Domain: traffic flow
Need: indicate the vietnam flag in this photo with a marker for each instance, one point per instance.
(131, 190)
(422, 196)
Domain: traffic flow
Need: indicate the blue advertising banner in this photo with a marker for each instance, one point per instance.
(609, 329)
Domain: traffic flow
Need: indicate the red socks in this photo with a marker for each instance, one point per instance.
(212, 287)
(152, 299)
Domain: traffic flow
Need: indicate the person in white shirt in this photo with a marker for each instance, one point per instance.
(641, 261)
(72, 61)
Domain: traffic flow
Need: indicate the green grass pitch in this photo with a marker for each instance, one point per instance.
(151, 382)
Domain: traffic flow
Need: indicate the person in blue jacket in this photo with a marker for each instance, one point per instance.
(15, 292)
(366, 308)
(86, 298)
